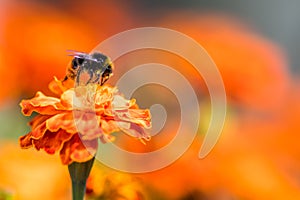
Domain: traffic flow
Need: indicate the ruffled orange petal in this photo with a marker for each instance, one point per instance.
(82, 98)
(105, 138)
(25, 141)
(38, 132)
(120, 103)
(109, 126)
(41, 104)
(88, 125)
(37, 120)
(67, 98)
(134, 130)
(105, 94)
(58, 87)
(75, 150)
(85, 152)
(52, 141)
(141, 117)
(63, 121)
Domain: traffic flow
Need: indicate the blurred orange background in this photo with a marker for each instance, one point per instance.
(257, 155)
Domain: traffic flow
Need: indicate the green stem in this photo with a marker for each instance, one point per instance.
(79, 172)
(78, 190)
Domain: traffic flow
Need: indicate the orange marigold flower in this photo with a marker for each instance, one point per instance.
(72, 122)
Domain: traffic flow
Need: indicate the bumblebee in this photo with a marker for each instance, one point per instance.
(89, 68)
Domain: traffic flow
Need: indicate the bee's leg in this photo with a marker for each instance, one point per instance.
(77, 81)
(106, 74)
(97, 78)
(66, 78)
(91, 77)
(103, 79)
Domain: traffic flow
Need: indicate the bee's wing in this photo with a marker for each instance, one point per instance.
(78, 54)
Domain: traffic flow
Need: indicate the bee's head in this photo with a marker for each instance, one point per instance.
(76, 62)
(106, 69)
